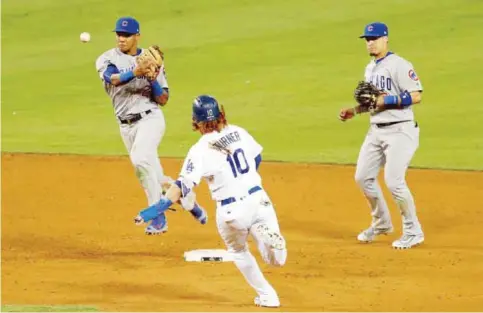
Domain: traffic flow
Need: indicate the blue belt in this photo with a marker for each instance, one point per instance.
(232, 199)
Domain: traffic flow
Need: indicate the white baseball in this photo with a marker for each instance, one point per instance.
(85, 37)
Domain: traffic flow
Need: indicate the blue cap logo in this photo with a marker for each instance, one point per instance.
(375, 30)
(127, 25)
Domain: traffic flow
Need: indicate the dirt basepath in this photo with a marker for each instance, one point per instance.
(68, 238)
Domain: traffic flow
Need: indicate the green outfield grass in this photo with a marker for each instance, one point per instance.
(283, 69)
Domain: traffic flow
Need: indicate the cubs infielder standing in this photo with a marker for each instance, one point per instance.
(392, 139)
(137, 85)
(227, 157)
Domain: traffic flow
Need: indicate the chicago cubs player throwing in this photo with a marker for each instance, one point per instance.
(392, 139)
(228, 157)
(136, 91)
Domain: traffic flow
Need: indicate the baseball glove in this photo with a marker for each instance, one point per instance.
(366, 95)
(151, 60)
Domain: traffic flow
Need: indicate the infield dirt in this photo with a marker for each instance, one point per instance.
(68, 238)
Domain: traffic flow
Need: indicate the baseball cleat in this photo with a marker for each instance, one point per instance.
(159, 225)
(267, 302)
(370, 234)
(138, 220)
(408, 241)
(271, 238)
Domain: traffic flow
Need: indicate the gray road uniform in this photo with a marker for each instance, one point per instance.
(392, 139)
(141, 121)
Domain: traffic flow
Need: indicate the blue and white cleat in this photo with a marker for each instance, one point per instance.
(159, 225)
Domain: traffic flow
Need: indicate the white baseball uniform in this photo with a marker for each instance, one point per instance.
(142, 137)
(226, 160)
(392, 139)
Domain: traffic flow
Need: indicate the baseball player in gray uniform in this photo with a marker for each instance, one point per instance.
(392, 139)
(136, 97)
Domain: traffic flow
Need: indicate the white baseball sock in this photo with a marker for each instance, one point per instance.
(248, 266)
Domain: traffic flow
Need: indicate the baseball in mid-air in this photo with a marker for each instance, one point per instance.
(85, 37)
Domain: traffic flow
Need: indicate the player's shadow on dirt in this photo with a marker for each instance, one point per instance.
(322, 230)
(54, 248)
(173, 292)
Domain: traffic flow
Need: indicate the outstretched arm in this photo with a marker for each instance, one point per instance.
(181, 192)
(172, 196)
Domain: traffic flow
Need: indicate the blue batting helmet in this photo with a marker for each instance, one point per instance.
(205, 109)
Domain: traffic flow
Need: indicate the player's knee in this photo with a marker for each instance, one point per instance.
(236, 247)
(397, 187)
(141, 170)
(241, 257)
(137, 158)
(140, 162)
(360, 181)
(140, 157)
(238, 253)
(363, 181)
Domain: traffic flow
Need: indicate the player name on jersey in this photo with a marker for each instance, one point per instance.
(225, 141)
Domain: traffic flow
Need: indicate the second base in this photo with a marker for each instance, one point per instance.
(208, 255)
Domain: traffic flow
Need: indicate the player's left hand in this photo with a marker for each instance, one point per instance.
(152, 73)
(368, 96)
(151, 60)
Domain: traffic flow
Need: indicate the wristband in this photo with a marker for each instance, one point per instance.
(156, 88)
(110, 70)
(127, 76)
(156, 209)
(391, 102)
(406, 99)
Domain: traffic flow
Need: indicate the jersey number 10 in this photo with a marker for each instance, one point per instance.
(236, 161)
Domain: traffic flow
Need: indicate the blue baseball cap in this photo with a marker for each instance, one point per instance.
(127, 25)
(376, 29)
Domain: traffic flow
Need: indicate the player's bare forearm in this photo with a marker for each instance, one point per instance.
(173, 193)
(359, 109)
(348, 113)
(414, 95)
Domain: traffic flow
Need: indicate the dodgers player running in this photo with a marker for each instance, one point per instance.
(135, 99)
(392, 139)
(228, 157)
